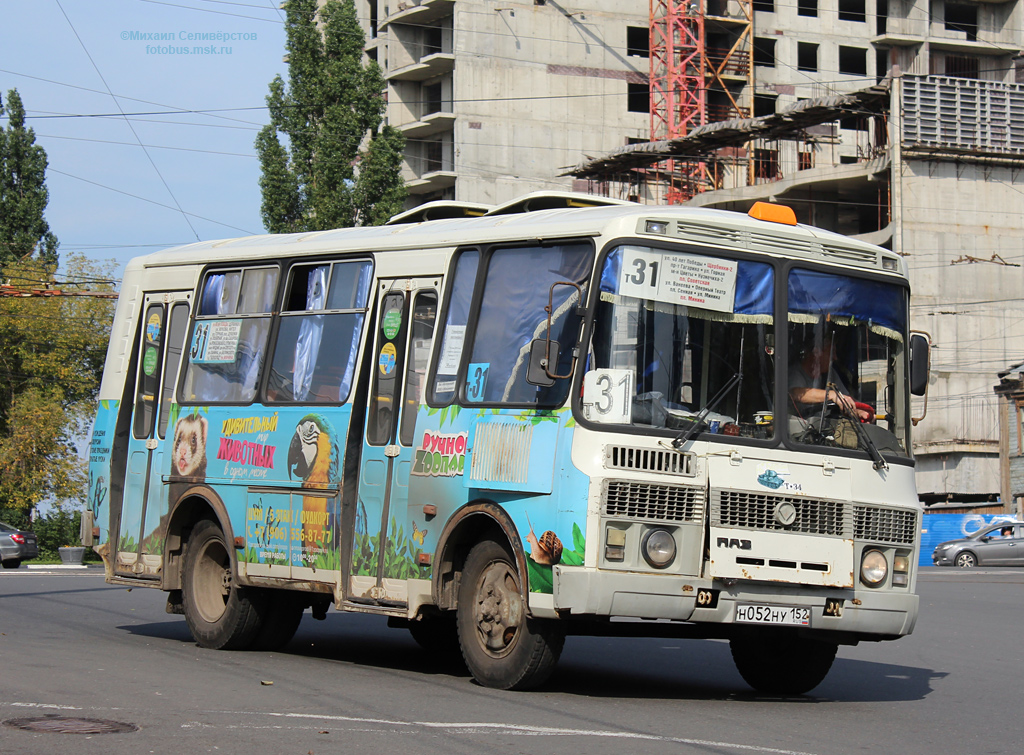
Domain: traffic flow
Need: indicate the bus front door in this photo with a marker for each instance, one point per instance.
(139, 520)
(387, 541)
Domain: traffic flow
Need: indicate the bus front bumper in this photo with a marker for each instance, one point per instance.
(856, 614)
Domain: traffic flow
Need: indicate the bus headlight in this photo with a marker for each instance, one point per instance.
(658, 547)
(873, 568)
(900, 570)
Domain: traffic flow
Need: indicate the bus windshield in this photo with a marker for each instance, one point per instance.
(846, 361)
(672, 331)
(680, 336)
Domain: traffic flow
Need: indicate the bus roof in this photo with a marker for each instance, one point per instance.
(721, 229)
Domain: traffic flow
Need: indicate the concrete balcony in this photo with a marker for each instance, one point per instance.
(429, 125)
(902, 32)
(425, 68)
(957, 43)
(424, 12)
(429, 182)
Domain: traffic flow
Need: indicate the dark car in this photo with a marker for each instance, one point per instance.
(1000, 544)
(16, 546)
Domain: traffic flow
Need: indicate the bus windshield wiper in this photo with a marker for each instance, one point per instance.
(851, 414)
(876, 456)
(705, 410)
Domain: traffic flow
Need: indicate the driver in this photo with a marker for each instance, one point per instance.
(808, 378)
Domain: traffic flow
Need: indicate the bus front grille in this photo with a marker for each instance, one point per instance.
(885, 525)
(758, 511)
(658, 460)
(641, 500)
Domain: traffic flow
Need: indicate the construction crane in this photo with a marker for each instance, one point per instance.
(694, 82)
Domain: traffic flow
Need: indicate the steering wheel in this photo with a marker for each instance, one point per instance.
(866, 408)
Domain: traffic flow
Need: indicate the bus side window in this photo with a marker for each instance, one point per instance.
(177, 325)
(424, 313)
(453, 336)
(229, 338)
(149, 370)
(318, 339)
(513, 314)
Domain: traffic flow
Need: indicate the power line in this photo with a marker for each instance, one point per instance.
(152, 201)
(8, 291)
(150, 146)
(177, 110)
(209, 10)
(130, 126)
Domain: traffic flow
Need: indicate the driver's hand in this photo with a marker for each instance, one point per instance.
(850, 408)
(847, 404)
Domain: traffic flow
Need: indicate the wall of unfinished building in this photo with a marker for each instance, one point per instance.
(963, 237)
(496, 98)
(577, 68)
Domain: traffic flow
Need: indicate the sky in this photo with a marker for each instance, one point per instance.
(79, 64)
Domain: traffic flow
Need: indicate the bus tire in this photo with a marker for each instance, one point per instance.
(782, 664)
(437, 633)
(282, 616)
(502, 646)
(220, 614)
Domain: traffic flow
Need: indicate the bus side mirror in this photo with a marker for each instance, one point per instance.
(542, 362)
(918, 364)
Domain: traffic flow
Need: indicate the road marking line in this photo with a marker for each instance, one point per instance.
(450, 727)
(454, 727)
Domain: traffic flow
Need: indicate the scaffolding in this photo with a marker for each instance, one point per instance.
(700, 72)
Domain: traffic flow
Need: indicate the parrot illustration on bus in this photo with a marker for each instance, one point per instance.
(313, 457)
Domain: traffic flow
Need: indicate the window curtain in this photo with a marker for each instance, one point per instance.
(307, 345)
(848, 301)
(365, 276)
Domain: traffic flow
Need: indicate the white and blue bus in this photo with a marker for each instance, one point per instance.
(500, 429)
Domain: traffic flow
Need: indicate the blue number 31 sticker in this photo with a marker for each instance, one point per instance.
(476, 381)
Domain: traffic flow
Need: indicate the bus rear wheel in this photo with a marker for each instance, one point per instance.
(782, 664)
(503, 647)
(281, 619)
(220, 614)
(437, 633)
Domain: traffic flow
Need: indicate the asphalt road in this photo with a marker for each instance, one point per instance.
(72, 646)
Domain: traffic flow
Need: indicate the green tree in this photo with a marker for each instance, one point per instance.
(24, 231)
(56, 529)
(51, 358)
(322, 177)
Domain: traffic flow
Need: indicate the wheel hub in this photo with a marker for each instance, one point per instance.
(499, 608)
(212, 582)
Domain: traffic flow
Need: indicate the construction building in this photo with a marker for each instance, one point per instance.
(495, 99)
(900, 122)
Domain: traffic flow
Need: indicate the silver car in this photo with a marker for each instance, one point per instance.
(1000, 544)
(16, 546)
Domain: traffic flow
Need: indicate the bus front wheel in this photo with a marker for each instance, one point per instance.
(503, 647)
(782, 664)
(220, 614)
